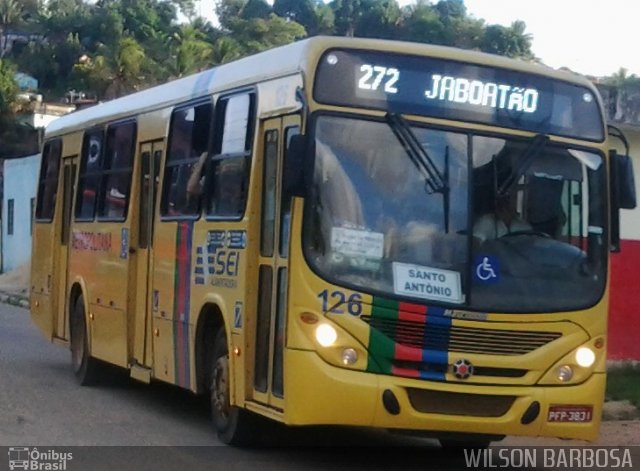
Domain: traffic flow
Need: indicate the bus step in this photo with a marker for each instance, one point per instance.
(140, 373)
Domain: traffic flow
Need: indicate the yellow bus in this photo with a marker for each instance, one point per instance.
(341, 231)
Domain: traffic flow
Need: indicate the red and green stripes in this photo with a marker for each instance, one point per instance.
(181, 303)
(392, 348)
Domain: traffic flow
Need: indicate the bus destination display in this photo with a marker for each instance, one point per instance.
(455, 90)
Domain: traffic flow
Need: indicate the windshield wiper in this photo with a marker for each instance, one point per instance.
(434, 180)
(530, 153)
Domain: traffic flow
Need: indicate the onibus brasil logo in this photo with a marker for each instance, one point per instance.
(36, 460)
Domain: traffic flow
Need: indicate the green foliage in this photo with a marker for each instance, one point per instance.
(116, 71)
(301, 11)
(110, 47)
(193, 52)
(8, 88)
(15, 139)
(379, 19)
(11, 13)
(624, 383)
(258, 34)
(510, 41)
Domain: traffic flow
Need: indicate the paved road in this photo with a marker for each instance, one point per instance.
(41, 405)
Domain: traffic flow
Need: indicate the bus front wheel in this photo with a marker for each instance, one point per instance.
(234, 426)
(85, 368)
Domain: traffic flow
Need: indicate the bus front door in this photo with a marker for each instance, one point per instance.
(150, 160)
(268, 371)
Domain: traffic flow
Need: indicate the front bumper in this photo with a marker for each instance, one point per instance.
(319, 393)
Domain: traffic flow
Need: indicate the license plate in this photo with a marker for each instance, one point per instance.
(570, 414)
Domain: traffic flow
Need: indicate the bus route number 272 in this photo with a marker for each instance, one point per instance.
(375, 75)
(335, 301)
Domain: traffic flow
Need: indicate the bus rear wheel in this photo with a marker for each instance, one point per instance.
(85, 368)
(233, 425)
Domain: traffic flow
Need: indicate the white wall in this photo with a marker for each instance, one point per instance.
(20, 184)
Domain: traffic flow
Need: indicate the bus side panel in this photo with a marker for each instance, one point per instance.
(95, 258)
(164, 279)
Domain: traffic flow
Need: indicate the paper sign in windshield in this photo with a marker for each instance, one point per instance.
(427, 283)
(356, 243)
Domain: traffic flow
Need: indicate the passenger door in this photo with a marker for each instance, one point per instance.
(273, 265)
(150, 161)
(69, 170)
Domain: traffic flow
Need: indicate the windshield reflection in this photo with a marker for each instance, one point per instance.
(373, 221)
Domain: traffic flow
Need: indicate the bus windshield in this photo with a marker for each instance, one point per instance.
(495, 224)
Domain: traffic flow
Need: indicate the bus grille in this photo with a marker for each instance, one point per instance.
(450, 403)
(461, 339)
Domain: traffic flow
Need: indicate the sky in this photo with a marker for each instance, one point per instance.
(591, 37)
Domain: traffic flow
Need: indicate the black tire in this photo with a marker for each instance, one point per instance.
(86, 369)
(233, 425)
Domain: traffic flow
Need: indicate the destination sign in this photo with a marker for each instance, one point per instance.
(460, 91)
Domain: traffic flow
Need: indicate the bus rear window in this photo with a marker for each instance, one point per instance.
(459, 91)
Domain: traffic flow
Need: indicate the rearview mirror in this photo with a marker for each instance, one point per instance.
(625, 182)
(622, 192)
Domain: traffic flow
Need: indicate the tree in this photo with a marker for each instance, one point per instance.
(379, 19)
(10, 15)
(347, 13)
(187, 7)
(511, 41)
(8, 87)
(255, 9)
(15, 139)
(421, 23)
(115, 72)
(326, 20)
(225, 49)
(300, 11)
(193, 52)
(258, 34)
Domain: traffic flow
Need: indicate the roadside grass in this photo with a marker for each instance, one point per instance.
(624, 383)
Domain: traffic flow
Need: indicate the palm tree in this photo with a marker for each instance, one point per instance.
(193, 52)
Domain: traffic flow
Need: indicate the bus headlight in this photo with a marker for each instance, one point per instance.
(577, 365)
(565, 373)
(585, 357)
(349, 356)
(326, 335)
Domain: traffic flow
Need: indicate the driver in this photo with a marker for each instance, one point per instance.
(504, 220)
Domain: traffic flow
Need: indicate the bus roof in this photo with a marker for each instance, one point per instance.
(278, 62)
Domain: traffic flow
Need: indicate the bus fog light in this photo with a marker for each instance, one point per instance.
(585, 357)
(565, 373)
(349, 356)
(326, 335)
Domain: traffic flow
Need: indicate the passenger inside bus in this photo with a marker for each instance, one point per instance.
(502, 221)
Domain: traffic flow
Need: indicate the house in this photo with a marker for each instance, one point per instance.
(19, 182)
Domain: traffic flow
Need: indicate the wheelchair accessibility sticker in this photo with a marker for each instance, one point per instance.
(487, 269)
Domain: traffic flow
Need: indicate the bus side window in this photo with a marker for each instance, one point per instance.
(186, 158)
(230, 166)
(118, 166)
(90, 173)
(48, 184)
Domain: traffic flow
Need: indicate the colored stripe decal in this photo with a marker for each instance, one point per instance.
(181, 303)
(389, 355)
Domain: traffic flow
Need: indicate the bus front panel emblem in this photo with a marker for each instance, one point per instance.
(462, 368)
